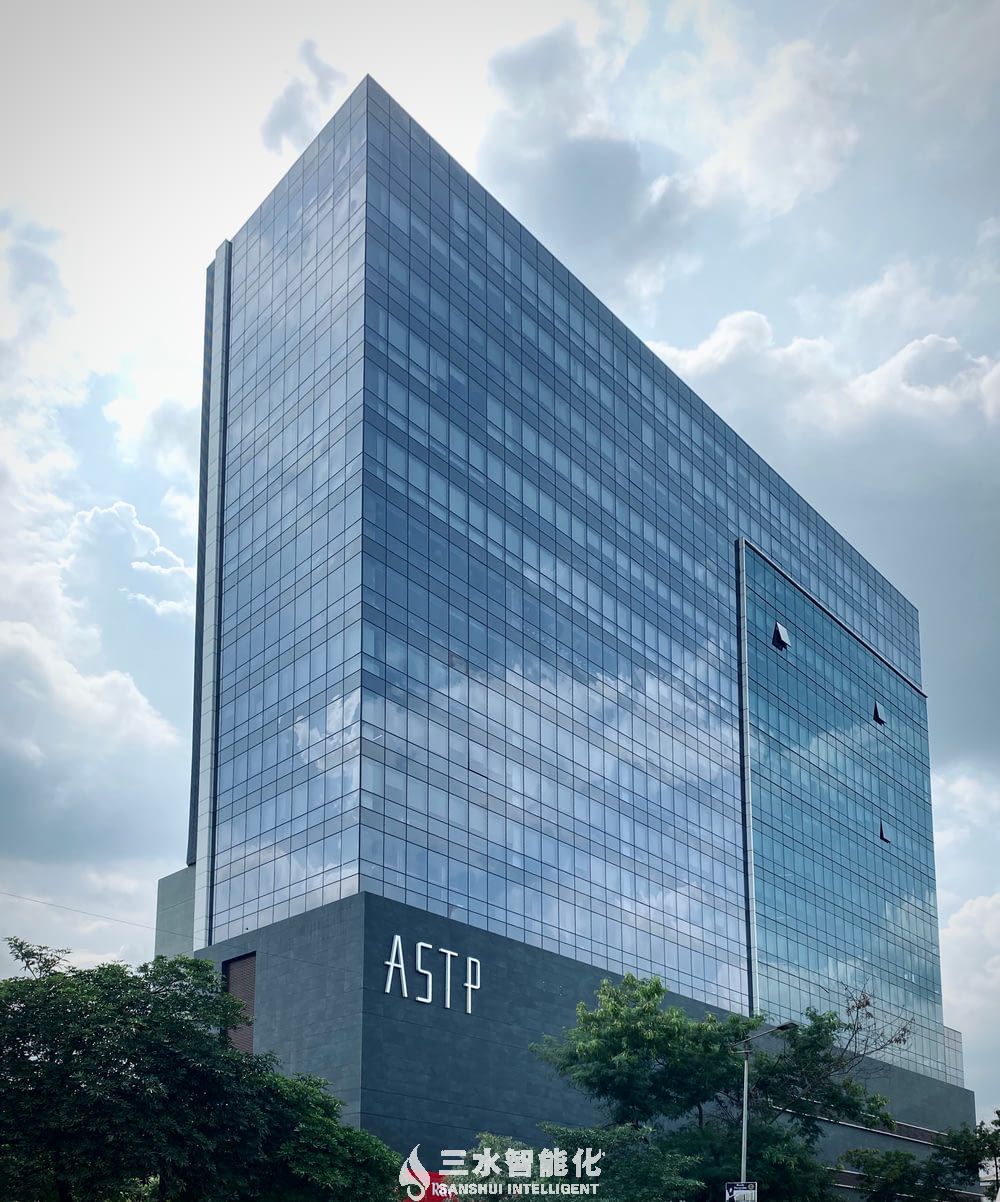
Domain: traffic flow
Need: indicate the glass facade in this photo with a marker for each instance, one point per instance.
(954, 1057)
(479, 593)
(289, 668)
(843, 845)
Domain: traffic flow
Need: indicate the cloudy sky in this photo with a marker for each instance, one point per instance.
(798, 206)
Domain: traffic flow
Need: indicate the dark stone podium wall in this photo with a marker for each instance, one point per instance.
(420, 1073)
(309, 994)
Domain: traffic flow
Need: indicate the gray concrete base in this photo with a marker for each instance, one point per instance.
(175, 914)
(415, 1071)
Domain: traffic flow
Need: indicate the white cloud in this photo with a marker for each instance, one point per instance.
(56, 710)
(122, 516)
(158, 577)
(965, 801)
(929, 377)
(94, 774)
(82, 753)
(811, 379)
(910, 298)
(789, 137)
(160, 431)
(35, 466)
(970, 964)
(100, 914)
(938, 59)
(966, 821)
(90, 767)
(40, 365)
(620, 185)
(326, 78)
(555, 154)
(718, 26)
(903, 299)
(989, 231)
(53, 358)
(183, 508)
(768, 124)
(164, 607)
(33, 295)
(991, 392)
(295, 114)
(735, 337)
(291, 118)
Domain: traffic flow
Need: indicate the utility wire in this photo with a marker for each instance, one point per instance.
(156, 929)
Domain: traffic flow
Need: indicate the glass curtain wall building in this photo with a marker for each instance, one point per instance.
(501, 621)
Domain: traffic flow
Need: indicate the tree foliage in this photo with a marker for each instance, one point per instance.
(810, 1074)
(976, 1151)
(119, 1083)
(676, 1079)
(643, 1061)
(637, 1165)
(641, 1164)
(959, 1159)
(782, 1160)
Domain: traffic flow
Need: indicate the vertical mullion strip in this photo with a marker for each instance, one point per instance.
(212, 595)
(753, 971)
(206, 402)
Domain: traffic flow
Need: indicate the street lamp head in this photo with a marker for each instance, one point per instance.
(789, 1026)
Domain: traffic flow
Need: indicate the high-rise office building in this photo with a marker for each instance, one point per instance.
(516, 668)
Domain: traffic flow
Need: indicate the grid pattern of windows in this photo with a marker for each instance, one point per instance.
(550, 719)
(478, 645)
(954, 1058)
(286, 813)
(839, 904)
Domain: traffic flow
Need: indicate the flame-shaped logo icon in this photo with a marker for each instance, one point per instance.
(414, 1177)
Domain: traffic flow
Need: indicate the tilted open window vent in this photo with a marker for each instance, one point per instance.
(884, 833)
(780, 637)
(877, 715)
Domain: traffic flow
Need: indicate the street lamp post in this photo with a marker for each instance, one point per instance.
(745, 1052)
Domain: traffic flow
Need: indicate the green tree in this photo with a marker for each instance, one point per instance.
(781, 1160)
(973, 1152)
(120, 1083)
(959, 1159)
(650, 1065)
(810, 1074)
(886, 1176)
(640, 1164)
(308, 1155)
(643, 1061)
(637, 1165)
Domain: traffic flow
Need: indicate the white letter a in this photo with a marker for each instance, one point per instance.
(395, 962)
